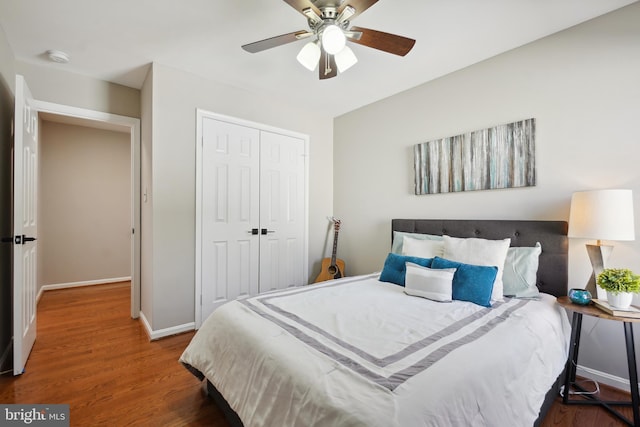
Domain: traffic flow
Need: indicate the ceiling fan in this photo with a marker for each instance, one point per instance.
(329, 27)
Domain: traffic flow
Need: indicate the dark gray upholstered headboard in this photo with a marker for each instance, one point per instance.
(552, 235)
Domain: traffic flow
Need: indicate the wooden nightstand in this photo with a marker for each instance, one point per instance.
(572, 360)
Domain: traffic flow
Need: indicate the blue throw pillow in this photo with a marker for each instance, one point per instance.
(472, 283)
(395, 267)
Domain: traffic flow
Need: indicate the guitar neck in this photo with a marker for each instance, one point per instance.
(335, 247)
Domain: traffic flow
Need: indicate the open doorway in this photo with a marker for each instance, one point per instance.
(66, 127)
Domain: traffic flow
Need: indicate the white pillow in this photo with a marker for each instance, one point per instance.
(521, 271)
(422, 248)
(479, 252)
(398, 238)
(433, 284)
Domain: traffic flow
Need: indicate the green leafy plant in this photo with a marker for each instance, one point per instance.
(616, 280)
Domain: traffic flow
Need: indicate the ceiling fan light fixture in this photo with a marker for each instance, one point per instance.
(345, 59)
(309, 55)
(333, 39)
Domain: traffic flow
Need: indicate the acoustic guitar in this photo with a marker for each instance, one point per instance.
(332, 268)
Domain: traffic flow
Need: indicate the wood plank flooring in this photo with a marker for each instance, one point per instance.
(90, 354)
(589, 416)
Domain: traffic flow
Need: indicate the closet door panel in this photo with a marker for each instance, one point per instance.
(281, 211)
(230, 211)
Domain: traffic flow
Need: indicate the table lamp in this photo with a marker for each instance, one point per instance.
(601, 215)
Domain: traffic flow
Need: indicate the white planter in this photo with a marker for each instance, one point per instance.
(621, 300)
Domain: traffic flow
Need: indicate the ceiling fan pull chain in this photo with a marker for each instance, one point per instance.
(327, 65)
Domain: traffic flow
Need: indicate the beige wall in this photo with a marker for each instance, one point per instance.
(175, 97)
(84, 204)
(582, 86)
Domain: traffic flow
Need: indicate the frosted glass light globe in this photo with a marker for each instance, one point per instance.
(333, 39)
(309, 56)
(345, 59)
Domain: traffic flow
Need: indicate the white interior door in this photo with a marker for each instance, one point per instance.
(25, 228)
(282, 213)
(230, 213)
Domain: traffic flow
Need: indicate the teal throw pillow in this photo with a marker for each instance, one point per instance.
(395, 267)
(473, 283)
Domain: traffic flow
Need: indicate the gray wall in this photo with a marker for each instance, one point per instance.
(169, 178)
(84, 206)
(581, 85)
(61, 87)
(7, 83)
(146, 211)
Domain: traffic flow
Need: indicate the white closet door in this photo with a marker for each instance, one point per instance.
(282, 187)
(230, 211)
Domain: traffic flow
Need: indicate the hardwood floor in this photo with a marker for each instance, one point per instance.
(588, 416)
(90, 354)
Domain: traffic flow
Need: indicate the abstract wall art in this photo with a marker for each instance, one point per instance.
(498, 157)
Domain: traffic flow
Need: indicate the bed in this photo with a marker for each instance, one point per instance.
(360, 351)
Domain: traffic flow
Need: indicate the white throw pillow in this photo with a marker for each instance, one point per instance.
(433, 284)
(479, 252)
(521, 271)
(422, 248)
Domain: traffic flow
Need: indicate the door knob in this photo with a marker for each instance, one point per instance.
(21, 240)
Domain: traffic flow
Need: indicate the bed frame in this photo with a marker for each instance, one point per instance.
(552, 269)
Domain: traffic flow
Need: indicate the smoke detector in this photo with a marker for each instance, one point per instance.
(58, 56)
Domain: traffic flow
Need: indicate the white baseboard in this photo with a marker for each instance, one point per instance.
(604, 378)
(161, 333)
(78, 284)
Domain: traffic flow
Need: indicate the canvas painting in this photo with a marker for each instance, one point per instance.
(498, 157)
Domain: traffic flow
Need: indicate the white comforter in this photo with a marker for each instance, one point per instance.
(360, 352)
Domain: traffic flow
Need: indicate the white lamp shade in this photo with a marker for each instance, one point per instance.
(309, 55)
(602, 215)
(333, 39)
(345, 59)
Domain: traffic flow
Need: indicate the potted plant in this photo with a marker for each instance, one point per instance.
(620, 284)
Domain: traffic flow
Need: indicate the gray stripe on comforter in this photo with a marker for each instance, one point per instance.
(394, 380)
(392, 358)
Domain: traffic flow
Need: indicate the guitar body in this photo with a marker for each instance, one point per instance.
(330, 272)
(332, 268)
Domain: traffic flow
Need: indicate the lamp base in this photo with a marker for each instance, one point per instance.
(598, 255)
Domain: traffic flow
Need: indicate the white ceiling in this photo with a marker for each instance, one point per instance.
(116, 40)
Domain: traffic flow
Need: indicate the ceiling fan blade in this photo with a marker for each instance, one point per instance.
(359, 5)
(390, 43)
(301, 5)
(327, 67)
(276, 41)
